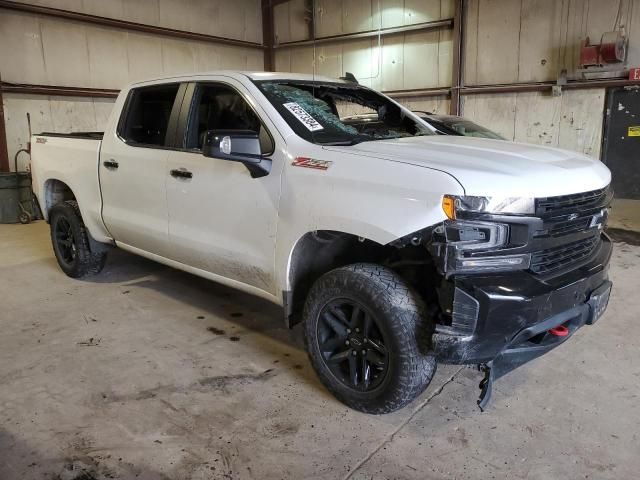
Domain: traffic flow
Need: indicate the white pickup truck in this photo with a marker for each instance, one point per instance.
(397, 248)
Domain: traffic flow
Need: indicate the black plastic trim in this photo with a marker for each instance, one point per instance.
(183, 117)
(80, 135)
(512, 305)
(170, 139)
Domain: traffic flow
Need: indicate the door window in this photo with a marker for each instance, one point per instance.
(219, 107)
(147, 115)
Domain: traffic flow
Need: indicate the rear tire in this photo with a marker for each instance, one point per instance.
(368, 337)
(70, 242)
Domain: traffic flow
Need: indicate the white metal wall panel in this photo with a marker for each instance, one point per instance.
(239, 19)
(439, 105)
(496, 112)
(43, 50)
(572, 121)
(38, 49)
(534, 40)
(413, 60)
(291, 21)
(53, 114)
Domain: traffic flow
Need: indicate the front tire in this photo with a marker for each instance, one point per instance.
(367, 334)
(71, 242)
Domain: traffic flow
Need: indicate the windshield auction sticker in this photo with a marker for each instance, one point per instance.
(304, 117)
(634, 131)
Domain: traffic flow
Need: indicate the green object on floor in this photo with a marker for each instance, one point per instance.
(15, 197)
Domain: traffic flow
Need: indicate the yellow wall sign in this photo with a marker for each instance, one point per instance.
(634, 131)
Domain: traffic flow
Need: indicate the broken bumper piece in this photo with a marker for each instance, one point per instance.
(503, 324)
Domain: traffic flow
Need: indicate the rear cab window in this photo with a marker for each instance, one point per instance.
(147, 115)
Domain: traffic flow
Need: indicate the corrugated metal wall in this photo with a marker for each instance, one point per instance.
(534, 40)
(38, 49)
(400, 61)
(507, 41)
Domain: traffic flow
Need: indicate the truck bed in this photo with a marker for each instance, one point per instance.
(66, 165)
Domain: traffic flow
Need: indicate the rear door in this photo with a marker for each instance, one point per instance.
(222, 220)
(133, 165)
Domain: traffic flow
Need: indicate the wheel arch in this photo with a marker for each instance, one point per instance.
(55, 191)
(320, 251)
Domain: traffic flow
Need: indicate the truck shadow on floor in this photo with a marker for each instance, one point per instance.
(630, 237)
(247, 313)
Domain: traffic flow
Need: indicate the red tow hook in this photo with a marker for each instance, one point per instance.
(559, 331)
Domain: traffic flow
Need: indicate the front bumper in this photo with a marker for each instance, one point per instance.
(509, 315)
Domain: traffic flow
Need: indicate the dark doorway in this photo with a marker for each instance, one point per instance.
(621, 145)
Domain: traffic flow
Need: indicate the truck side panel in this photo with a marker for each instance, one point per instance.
(360, 196)
(61, 162)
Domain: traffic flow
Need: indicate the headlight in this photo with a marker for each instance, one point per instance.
(453, 204)
(474, 235)
(469, 244)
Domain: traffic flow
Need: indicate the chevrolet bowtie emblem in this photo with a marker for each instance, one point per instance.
(599, 219)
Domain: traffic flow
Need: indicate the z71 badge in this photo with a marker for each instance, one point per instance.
(311, 163)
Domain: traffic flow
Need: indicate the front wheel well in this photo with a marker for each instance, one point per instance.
(55, 192)
(319, 252)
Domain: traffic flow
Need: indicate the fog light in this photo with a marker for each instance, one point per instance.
(494, 263)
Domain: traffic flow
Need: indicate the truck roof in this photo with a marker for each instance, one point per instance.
(239, 73)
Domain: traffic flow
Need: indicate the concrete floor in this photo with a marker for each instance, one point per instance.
(146, 372)
(625, 214)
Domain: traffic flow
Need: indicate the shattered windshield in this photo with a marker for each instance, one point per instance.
(319, 112)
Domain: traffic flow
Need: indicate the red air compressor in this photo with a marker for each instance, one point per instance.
(611, 49)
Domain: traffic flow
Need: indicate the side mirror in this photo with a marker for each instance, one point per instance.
(237, 146)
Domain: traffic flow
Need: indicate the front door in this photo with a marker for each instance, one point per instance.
(133, 165)
(621, 149)
(222, 220)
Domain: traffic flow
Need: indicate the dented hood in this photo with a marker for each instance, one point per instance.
(490, 167)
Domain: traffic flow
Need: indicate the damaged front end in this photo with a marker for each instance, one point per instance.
(516, 285)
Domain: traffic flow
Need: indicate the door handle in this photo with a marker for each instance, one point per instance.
(181, 173)
(110, 164)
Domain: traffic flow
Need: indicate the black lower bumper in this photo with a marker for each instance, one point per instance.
(514, 318)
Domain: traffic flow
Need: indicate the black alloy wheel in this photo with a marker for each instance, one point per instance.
(71, 244)
(65, 242)
(352, 345)
(368, 337)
